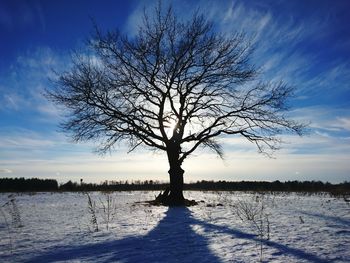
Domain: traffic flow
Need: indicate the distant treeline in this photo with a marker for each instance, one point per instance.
(288, 186)
(35, 184)
(24, 185)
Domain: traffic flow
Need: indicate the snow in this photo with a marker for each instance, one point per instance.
(54, 227)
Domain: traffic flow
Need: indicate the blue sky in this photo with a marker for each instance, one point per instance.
(304, 43)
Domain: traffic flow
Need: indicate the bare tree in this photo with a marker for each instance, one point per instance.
(176, 86)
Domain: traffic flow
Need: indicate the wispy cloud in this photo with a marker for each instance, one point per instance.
(12, 101)
(343, 123)
(20, 142)
(325, 118)
(5, 171)
(23, 84)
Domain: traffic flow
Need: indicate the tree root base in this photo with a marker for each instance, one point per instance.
(185, 202)
(166, 199)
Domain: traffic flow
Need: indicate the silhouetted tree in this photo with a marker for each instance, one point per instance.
(175, 86)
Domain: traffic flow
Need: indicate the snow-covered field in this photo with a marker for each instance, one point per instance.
(247, 227)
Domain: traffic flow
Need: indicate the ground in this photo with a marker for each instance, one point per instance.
(226, 227)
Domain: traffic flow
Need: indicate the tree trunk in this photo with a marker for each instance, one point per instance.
(176, 186)
(176, 176)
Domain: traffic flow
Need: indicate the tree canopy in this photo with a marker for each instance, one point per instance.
(175, 86)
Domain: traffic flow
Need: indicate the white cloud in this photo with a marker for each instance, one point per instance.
(332, 80)
(315, 158)
(12, 101)
(252, 166)
(48, 109)
(22, 86)
(325, 118)
(5, 171)
(25, 142)
(343, 123)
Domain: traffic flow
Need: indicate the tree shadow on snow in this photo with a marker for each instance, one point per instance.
(172, 240)
(335, 219)
(281, 248)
